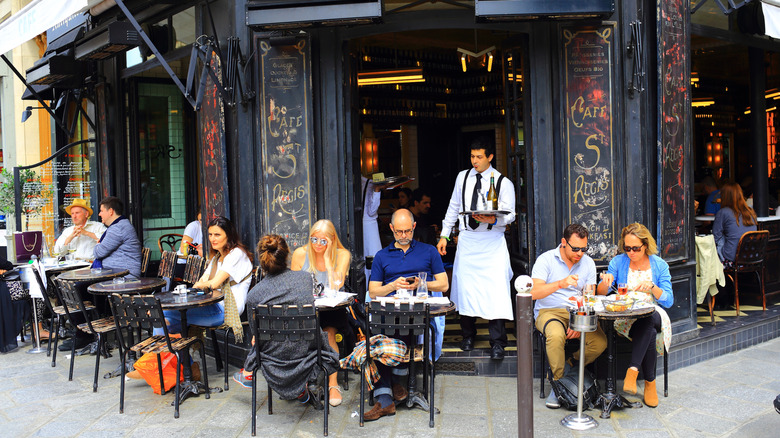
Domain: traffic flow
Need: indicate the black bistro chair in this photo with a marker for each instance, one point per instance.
(286, 323)
(749, 258)
(72, 302)
(144, 313)
(193, 269)
(401, 320)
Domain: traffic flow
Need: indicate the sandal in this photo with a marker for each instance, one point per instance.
(332, 400)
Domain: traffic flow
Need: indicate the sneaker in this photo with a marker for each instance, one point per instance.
(552, 400)
(243, 379)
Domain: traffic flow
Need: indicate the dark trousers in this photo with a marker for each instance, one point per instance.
(643, 356)
(496, 328)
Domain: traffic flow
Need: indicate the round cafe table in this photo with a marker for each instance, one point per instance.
(143, 285)
(610, 399)
(182, 302)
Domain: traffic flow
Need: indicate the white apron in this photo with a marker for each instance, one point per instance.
(481, 276)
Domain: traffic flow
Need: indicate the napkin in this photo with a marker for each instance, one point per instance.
(338, 298)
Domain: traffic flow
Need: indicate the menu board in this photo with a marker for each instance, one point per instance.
(588, 136)
(673, 135)
(211, 120)
(286, 137)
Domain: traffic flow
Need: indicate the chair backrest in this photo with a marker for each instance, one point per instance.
(72, 302)
(167, 264)
(44, 289)
(193, 270)
(294, 323)
(751, 248)
(398, 319)
(142, 312)
(169, 242)
(146, 254)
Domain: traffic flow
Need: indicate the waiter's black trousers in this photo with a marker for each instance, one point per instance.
(496, 328)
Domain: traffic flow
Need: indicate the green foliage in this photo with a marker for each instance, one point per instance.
(35, 194)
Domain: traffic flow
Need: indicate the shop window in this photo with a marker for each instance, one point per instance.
(709, 14)
(171, 33)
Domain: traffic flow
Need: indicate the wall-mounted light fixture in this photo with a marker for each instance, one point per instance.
(369, 155)
(484, 57)
(27, 113)
(391, 76)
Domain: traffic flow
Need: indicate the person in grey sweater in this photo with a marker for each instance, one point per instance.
(119, 247)
(733, 220)
(288, 367)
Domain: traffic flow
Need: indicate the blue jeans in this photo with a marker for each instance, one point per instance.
(208, 316)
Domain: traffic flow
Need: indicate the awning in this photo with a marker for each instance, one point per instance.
(771, 9)
(37, 17)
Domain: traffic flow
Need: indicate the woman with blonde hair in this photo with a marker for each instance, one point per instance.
(648, 280)
(328, 261)
(733, 220)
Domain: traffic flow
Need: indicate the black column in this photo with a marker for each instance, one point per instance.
(758, 128)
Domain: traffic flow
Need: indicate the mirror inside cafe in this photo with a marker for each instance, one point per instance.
(421, 127)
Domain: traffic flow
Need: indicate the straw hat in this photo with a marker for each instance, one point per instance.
(78, 202)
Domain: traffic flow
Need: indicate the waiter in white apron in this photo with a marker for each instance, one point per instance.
(481, 274)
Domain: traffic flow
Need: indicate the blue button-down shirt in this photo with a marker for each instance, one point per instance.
(551, 267)
(391, 262)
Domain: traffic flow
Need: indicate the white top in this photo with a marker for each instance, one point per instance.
(194, 231)
(371, 242)
(85, 246)
(238, 266)
(506, 201)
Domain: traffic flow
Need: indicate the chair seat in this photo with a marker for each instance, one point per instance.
(157, 344)
(60, 310)
(102, 325)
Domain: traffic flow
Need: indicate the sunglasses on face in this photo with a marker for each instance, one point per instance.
(317, 241)
(628, 249)
(577, 248)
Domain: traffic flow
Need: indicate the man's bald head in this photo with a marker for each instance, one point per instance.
(402, 214)
(402, 224)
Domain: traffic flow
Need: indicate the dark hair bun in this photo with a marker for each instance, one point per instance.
(273, 252)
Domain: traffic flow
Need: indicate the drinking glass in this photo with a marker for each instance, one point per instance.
(622, 289)
(422, 286)
(336, 280)
(590, 293)
(118, 280)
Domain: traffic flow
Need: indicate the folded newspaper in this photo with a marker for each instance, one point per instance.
(333, 301)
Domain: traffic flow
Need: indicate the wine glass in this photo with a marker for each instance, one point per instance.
(336, 280)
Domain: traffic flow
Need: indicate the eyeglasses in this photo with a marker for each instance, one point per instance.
(633, 248)
(577, 248)
(403, 232)
(317, 241)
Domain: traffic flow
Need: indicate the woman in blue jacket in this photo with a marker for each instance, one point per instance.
(648, 280)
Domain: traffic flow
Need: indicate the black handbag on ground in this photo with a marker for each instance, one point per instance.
(566, 390)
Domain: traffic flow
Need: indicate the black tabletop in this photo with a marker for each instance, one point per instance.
(64, 267)
(193, 298)
(144, 285)
(93, 275)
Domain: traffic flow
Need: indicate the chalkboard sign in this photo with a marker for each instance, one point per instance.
(213, 181)
(286, 137)
(588, 85)
(673, 135)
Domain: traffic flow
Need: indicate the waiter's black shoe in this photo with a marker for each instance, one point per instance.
(497, 352)
(68, 344)
(467, 344)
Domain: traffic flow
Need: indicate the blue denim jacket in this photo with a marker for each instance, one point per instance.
(618, 267)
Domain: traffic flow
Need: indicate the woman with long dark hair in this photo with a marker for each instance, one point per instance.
(733, 220)
(293, 366)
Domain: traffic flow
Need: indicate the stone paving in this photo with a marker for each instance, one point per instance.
(729, 396)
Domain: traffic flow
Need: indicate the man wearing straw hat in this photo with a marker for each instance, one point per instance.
(83, 235)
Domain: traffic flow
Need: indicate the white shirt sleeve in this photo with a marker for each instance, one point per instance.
(238, 266)
(193, 231)
(59, 245)
(371, 207)
(451, 217)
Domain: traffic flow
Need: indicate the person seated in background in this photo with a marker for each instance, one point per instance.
(648, 280)
(326, 258)
(404, 198)
(118, 247)
(712, 204)
(83, 235)
(424, 230)
(294, 366)
(733, 220)
(393, 268)
(191, 243)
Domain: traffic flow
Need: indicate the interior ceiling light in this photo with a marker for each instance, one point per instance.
(702, 102)
(468, 53)
(392, 76)
(773, 93)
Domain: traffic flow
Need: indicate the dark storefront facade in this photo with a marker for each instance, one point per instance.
(589, 102)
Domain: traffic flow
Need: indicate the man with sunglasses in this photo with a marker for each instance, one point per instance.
(396, 267)
(559, 274)
(481, 272)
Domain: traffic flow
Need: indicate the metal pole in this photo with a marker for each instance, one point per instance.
(580, 322)
(525, 367)
(758, 156)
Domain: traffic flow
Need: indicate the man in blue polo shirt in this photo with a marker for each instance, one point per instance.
(396, 267)
(558, 274)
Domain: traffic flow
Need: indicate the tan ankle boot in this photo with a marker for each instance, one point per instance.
(629, 383)
(651, 395)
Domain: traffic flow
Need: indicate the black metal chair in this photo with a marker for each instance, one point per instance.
(285, 323)
(58, 314)
(193, 269)
(167, 265)
(749, 258)
(72, 303)
(169, 242)
(144, 312)
(407, 320)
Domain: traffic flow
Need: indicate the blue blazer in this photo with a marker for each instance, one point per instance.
(618, 267)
